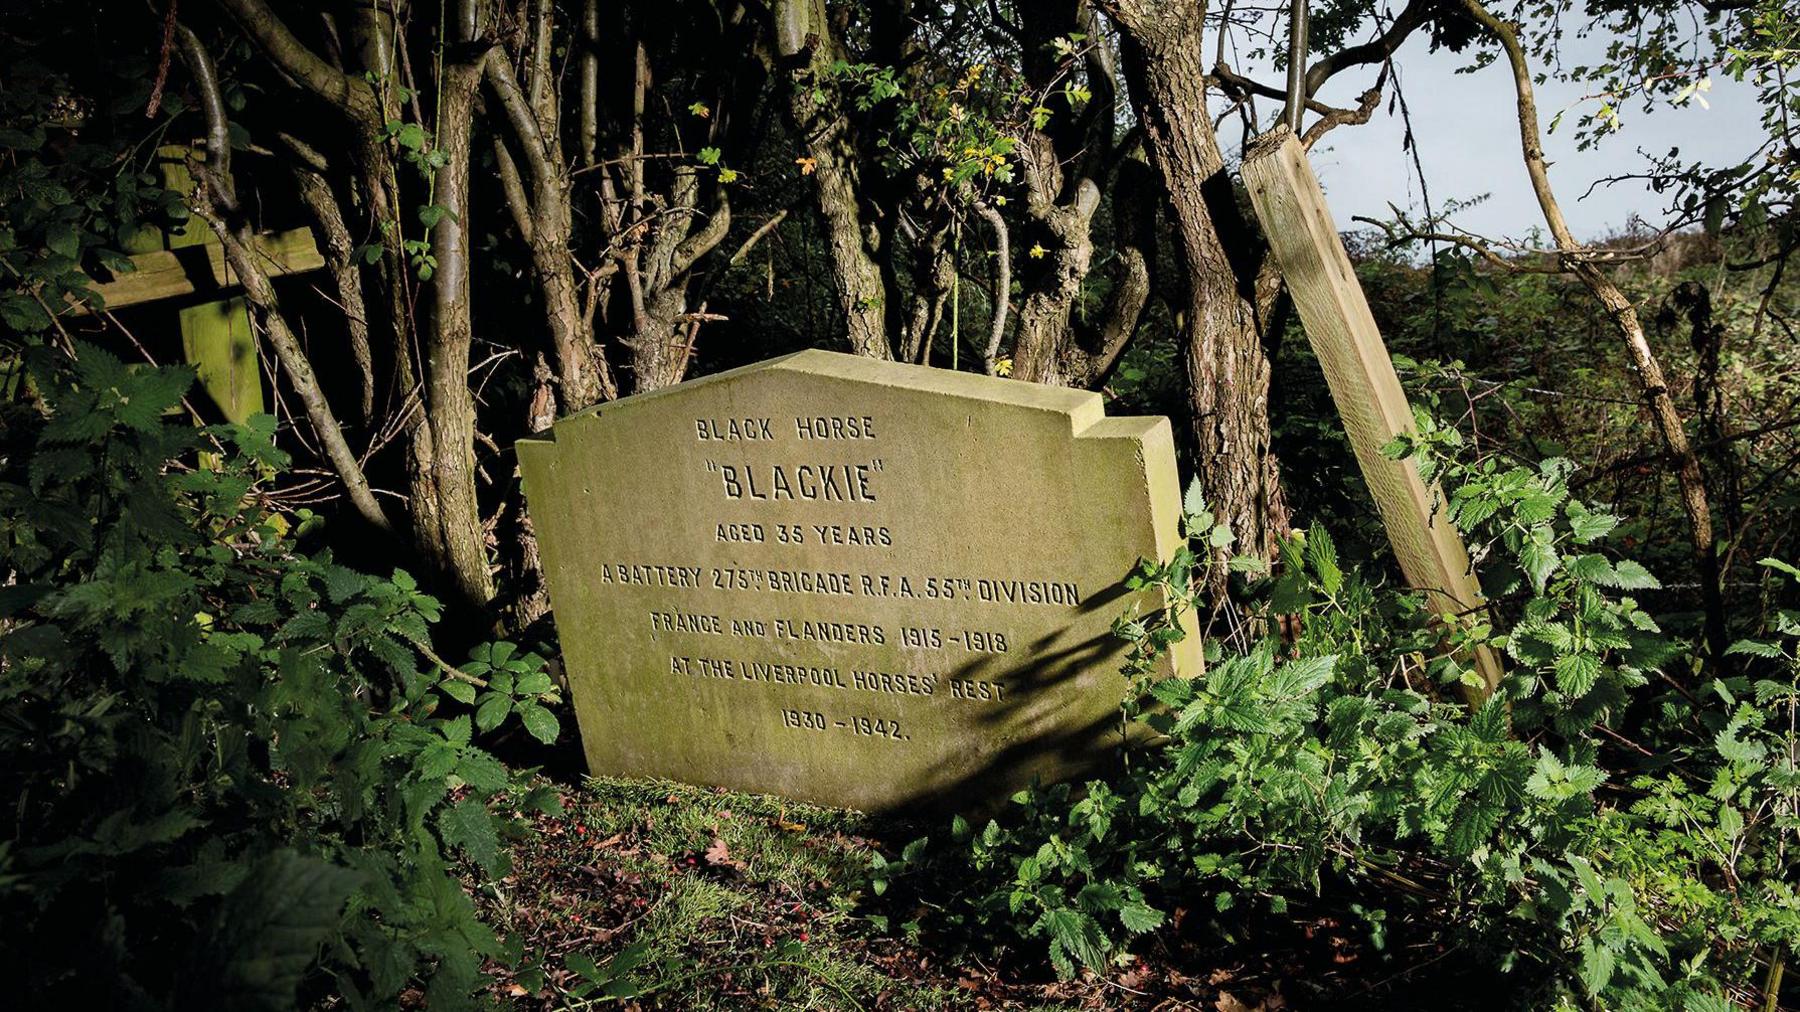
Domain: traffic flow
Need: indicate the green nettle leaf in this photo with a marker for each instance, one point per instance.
(542, 723)
(1538, 557)
(1139, 918)
(1633, 576)
(1734, 749)
(1587, 527)
(1303, 677)
(1596, 966)
(458, 731)
(1321, 555)
(1576, 673)
(1731, 823)
(469, 826)
(270, 931)
(1193, 502)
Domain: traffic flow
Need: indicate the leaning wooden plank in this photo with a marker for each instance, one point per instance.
(217, 341)
(1369, 398)
(163, 274)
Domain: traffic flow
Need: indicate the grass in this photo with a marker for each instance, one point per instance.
(662, 895)
(657, 895)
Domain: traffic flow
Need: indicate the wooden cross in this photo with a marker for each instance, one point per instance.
(216, 337)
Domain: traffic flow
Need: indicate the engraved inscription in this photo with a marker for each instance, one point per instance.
(854, 582)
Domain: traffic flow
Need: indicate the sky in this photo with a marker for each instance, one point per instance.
(1468, 136)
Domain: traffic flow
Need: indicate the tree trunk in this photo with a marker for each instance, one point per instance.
(1227, 365)
(808, 47)
(446, 515)
(582, 375)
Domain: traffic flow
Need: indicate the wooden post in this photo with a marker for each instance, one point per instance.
(1363, 384)
(216, 337)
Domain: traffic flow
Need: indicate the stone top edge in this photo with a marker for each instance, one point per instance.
(1084, 408)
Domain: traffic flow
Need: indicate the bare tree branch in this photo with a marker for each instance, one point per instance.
(239, 247)
(348, 93)
(1002, 283)
(1624, 316)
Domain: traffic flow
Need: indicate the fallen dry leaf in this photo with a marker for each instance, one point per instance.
(719, 854)
(1228, 1002)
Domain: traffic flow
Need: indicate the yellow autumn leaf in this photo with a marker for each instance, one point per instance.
(807, 165)
(1037, 251)
(1003, 367)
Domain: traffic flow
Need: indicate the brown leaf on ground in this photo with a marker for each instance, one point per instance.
(719, 855)
(1228, 1002)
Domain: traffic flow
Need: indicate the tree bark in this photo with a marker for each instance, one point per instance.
(808, 46)
(446, 514)
(1066, 165)
(316, 193)
(1228, 368)
(582, 375)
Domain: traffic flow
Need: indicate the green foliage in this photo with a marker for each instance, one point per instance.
(233, 784)
(1601, 832)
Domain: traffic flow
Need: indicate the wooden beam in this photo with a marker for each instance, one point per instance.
(1374, 409)
(165, 274)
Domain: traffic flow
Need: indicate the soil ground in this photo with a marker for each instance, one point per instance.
(654, 895)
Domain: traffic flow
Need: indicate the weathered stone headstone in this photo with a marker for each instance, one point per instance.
(849, 581)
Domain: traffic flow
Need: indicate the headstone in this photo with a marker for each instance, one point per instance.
(847, 581)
